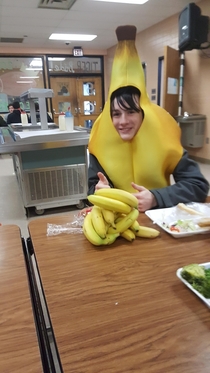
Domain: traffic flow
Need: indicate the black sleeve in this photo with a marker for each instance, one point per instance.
(93, 169)
(190, 185)
(2, 122)
(8, 119)
(49, 119)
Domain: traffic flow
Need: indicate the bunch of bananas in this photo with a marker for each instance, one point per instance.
(114, 213)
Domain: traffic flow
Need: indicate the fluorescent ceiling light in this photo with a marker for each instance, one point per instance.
(74, 37)
(56, 58)
(33, 68)
(22, 81)
(137, 2)
(29, 77)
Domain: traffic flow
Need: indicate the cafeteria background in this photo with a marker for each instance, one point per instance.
(151, 44)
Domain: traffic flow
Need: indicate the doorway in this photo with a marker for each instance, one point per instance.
(81, 95)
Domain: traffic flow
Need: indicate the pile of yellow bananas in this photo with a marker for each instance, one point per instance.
(114, 213)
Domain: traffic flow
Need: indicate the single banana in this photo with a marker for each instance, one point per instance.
(125, 222)
(90, 232)
(110, 238)
(119, 195)
(107, 226)
(113, 227)
(93, 237)
(109, 204)
(135, 226)
(119, 217)
(128, 234)
(98, 221)
(109, 217)
(147, 232)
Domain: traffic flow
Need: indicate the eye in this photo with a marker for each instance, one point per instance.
(115, 114)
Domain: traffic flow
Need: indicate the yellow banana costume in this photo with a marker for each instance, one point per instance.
(151, 156)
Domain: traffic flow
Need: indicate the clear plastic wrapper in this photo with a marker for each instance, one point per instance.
(73, 227)
(54, 229)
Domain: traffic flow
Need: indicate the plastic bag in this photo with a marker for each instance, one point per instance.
(74, 227)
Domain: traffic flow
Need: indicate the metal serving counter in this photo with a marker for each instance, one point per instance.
(50, 165)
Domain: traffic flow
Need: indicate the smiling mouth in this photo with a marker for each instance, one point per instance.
(125, 129)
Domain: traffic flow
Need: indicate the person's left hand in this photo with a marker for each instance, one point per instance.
(103, 182)
(146, 200)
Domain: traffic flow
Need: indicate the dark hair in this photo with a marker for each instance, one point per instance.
(36, 104)
(8, 106)
(125, 98)
(16, 105)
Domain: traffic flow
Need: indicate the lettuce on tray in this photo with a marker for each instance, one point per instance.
(181, 226)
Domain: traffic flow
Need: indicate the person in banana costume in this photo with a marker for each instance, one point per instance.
(135, 145)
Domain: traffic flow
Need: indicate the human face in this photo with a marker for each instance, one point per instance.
(11, 109)
(126, 121)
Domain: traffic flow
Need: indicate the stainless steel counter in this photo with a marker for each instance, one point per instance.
(50, 165)
(11, 141)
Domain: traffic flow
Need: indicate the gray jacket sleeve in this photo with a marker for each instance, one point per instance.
(190, 185)
(93, 169)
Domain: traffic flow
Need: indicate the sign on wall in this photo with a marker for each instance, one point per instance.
(74, 65)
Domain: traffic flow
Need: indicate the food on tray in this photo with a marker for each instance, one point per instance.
(178, 223)
(191, 211)
(198, 277)
(205, 222)
(181, 226)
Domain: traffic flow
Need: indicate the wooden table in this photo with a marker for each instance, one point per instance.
(19, 350)
(121, 308)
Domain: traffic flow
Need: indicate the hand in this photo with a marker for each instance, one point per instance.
(85, 211)
(103, 182)
(146, 199)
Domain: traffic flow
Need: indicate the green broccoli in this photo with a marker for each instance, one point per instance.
(193, 272)
(198, 277)
(203, 289)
